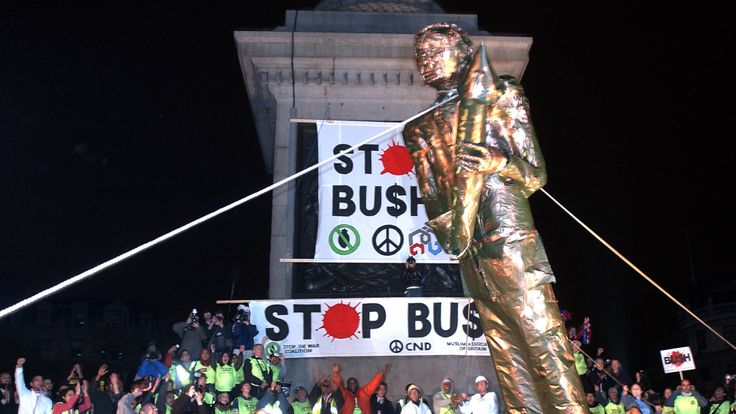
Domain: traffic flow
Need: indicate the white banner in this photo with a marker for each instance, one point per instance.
(313, 328)
(369, 202)
(677, 359)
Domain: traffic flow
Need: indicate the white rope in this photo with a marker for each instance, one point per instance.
(78, 278)
(636, 269)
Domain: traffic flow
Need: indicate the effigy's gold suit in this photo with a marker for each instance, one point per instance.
(477, 161)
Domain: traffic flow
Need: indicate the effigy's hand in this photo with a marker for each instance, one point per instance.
(476, 158)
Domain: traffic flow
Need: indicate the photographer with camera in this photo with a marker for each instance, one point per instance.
(191, 400)
(243, 333)
(412, 278)
(151, 366)
(191, 333)
(221, 339)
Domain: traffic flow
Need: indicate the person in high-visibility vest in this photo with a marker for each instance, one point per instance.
(258, 372)
(301, 404)
(686, 400)
(612, 404)
(666, 396)
(718, 404)
(357, 399)
(593, 405)
(244, 403)
(181, 371)
(325, 398)
(225, 376)
(238, 363)
(205, 366)
(222, 406)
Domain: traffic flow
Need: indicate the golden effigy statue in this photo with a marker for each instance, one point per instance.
(477, 161)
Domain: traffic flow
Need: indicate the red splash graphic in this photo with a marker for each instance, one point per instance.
(396, 160)
(340, 321)
(677, 358)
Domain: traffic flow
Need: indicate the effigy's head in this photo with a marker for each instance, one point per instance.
(443, 52)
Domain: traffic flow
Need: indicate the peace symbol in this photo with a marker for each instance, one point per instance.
(388, 239)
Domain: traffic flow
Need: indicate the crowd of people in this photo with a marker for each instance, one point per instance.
(610, 389)
(218, 368)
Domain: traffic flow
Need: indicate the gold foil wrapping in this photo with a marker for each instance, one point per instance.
(477, 161)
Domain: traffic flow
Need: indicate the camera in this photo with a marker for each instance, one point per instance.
(152, 355)
(243, 313)
(195, 316)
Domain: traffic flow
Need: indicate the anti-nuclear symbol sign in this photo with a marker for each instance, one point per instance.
(344, 239)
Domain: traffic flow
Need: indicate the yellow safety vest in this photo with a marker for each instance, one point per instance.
(317, 409)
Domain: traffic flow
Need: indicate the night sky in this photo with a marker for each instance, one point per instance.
(120, 122)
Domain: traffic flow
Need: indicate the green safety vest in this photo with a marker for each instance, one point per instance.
(686, 405)
(246, 406)
(224, 378)
(598, 409)
(259, 368)
(275, 372)
(447, 409)
(209, 398)
(612, 408)
(356, 409)
(181, 376)
(218, 410)
(273, 408)
(317, 409)
(724, 408)
(210, 373)
(580, 364)
(239, 375)
(301, 407)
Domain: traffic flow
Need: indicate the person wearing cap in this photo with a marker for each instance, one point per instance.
(443, 398)
(277, 361)
(414, 403)
(405, 399)
(380, 404)
(357, 399)
(301, 404)
(483, 402)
